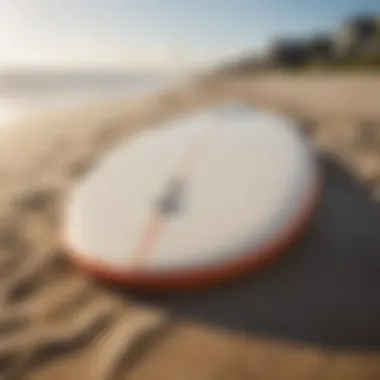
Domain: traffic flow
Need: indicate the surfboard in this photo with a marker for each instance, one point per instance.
(194, 201)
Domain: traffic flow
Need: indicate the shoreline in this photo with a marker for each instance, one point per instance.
(336, 106)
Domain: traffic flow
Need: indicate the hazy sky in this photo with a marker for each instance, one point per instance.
(156, 33)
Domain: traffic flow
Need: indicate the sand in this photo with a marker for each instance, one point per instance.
(56, 323)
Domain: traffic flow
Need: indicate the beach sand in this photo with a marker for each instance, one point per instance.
(56, 323)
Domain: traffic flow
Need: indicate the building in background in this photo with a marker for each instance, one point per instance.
(355, 43)
(287, 53)
(359, 37)
(320, 49)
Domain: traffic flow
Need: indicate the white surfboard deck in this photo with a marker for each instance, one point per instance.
(226, 186)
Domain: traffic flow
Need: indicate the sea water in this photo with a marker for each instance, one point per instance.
(25, 93)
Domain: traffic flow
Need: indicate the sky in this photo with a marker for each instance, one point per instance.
(157, 34)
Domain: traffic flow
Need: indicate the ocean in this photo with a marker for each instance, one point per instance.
(24, 94)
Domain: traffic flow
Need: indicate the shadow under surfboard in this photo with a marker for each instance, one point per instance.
(325, 290)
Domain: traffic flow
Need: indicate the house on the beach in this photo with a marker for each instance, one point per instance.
(320, 48)
(356, 42)
(287, 53)
(358, 37)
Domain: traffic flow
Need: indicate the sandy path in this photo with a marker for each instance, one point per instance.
(56, 323)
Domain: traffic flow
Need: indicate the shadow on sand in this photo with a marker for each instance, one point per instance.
(325, 290)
